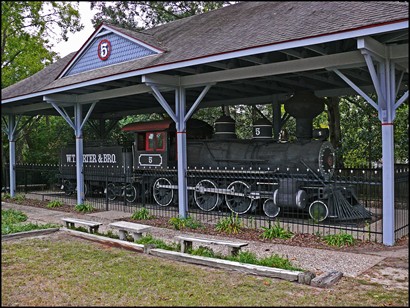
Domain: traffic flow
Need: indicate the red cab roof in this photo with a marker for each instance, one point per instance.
(148, 126)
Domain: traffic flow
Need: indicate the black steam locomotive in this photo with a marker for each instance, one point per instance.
(251, 173)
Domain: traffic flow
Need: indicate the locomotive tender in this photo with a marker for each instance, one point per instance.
(251, 173)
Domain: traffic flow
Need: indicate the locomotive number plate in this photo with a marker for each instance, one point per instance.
(150, 160)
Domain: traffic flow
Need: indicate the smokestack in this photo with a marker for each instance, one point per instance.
(304, 107)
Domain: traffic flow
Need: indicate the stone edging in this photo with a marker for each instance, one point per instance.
(31, 233)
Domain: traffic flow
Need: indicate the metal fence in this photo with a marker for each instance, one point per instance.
(260, 198)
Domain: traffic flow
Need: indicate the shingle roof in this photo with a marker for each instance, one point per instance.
(235, 27)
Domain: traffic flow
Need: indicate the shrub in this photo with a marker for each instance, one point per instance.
(275, 231)
(339, 240)
(84, 207)
(142, 214)
(231, 224)
(54, 203)
(180, 223)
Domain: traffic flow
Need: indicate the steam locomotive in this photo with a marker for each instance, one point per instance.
(251, 173)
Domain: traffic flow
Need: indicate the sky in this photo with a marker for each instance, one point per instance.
(76, 40)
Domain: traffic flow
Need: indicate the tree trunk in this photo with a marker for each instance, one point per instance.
(334, 125)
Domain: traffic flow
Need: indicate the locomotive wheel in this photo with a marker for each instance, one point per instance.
(130, 193)
(111, 192)
(206, 200)
(318, 211)
(67, 187)
(238, 204)
(270, 208)
(162, 196)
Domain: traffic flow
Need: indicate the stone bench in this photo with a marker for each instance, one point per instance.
(186, 243)
(125, 227)
(92, 225)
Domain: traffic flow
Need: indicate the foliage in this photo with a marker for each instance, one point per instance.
(180, 223)
(271, 261)
(203, 252)
(12, 222)
(149, 239)
(19, 197)
(26, 28)
(5, 196)
(54, 203)
(340, 239)
(230, 224)
(362, 135)
(146, 14)
(142, 214)
(275, 231)
(11, 216)
(84, 207)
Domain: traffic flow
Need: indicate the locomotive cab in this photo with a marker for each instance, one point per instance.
(155, 141)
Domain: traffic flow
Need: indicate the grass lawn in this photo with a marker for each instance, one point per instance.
(63, 270)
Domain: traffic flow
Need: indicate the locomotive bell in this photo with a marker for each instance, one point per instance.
(304, 106)
(262, 129)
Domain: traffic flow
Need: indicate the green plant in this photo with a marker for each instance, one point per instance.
(180, 223)
(12, 222)
(231, 224)
(5, 196)
(340, 239)
(275, 231)
(54, 203)
(19, 197)
(203, 252)
(149, 239)
(142, 214)
(12, 216)
(84, 207)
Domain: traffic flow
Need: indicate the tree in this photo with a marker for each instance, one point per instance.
(146, 14)
(26, 31)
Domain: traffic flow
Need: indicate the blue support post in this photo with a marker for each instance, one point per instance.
(180, 117)
(182, 153)
(79, 152)
(12, 150)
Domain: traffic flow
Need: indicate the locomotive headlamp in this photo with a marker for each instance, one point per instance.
(327, 160)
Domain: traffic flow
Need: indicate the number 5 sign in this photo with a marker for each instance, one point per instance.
(104, 49)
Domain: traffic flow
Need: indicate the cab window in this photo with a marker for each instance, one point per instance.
(155, 141)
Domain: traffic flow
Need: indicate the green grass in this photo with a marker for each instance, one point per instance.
(70, 271)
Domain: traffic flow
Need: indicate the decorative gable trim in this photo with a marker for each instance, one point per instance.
(105, 47)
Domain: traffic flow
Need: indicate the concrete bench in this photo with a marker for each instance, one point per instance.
(92, 225)
(186, 243)
(129, 227)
